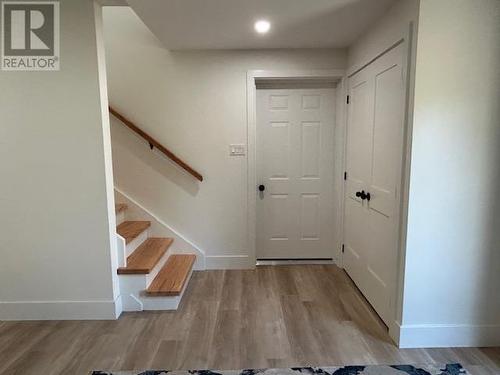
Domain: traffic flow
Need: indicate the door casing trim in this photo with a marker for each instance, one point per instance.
(252, 76)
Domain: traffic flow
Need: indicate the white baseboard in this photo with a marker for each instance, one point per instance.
(443, 335)
(228, 262)
(60, 310)
(293, 262)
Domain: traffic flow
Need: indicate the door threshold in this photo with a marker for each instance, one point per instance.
(280, 262)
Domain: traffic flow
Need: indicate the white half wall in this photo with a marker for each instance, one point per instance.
(57, 242)
(195, 104)
(452, 278)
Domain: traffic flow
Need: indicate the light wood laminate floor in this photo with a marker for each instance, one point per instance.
(269, 317)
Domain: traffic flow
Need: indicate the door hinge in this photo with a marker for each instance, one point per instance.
(348, 99)
(345, 176)
(343, 248)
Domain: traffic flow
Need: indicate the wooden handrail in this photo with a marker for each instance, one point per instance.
(154, 143)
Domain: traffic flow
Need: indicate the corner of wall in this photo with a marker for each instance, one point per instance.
(106, 132)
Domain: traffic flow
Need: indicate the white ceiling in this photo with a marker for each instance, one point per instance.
(228, 24)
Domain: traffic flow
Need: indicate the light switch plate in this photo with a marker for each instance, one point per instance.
(236, 150)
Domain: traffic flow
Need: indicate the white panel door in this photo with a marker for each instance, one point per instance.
(295, 129)
(375, 134)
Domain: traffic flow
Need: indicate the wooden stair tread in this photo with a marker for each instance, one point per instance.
(172, 277)
(146, 256)
(119, 207)
(131, 229)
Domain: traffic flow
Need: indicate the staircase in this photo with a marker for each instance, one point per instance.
(150, 276)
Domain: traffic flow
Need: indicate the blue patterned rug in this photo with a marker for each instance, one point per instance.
(450, 369)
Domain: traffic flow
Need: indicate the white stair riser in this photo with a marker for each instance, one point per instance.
(160, 303)
(120, 217)
(132, 284)
(131, 303)
(134, 244)
(140, 301)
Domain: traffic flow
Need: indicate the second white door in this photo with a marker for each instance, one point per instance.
(295, 130)
(375, 132)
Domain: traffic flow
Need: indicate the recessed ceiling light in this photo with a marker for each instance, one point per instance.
(262, 26)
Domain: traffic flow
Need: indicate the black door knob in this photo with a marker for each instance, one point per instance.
(361, 194)
(262, 188)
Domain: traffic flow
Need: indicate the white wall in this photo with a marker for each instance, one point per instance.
(383, 34)
(452, 278)
(56, 225)
(195, 104)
